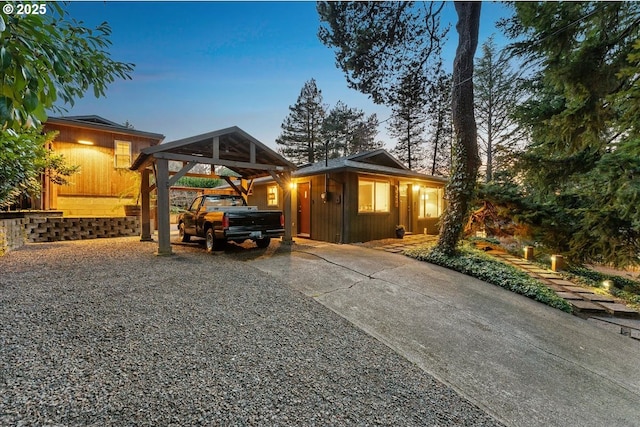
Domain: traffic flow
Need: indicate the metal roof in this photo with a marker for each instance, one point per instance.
(231, 147)
(99, 123)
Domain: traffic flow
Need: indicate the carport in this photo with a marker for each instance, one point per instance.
(232, 148)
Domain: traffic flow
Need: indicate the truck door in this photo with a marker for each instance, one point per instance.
(191, 215)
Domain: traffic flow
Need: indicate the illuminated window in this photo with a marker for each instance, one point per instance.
(122, 154)
(429, 202)
(373, 196)
(272, 195)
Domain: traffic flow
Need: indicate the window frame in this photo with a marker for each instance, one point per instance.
(116, 155)
(374, 210)
(276, 199)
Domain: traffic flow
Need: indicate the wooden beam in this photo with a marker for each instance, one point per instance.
(216, 148)
(145, 226)
(186, 168)
(220, 162)
(252, 152)
(232, 184)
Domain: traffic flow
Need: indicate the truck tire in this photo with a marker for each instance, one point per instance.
(213, 244)
(263, 243)
(184, 237)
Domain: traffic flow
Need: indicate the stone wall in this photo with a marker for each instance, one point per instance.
(12, 234)
(22, 228)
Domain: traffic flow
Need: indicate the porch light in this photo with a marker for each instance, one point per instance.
(292, 185)
(85, 142)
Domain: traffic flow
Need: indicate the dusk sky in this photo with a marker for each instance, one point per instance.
(204, 66)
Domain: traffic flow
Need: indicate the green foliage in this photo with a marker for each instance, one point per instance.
(347, 131)
(23, 159)
(198, 182)
(300, 138)
(481, 266)
(626, 289)
(580, 174)
(439, 130)
(49, 58)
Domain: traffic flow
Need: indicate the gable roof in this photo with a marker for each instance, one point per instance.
(231, 147)
(378, 161)
(94, 122)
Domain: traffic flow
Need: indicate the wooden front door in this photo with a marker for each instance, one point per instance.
(304, 209)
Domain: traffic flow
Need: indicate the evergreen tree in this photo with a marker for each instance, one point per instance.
(583, 122)
(300, 138)
(440, 128)
(408, 117)
(348, 131)
(498, 89)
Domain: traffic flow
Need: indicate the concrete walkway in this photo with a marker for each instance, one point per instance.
(523, 362)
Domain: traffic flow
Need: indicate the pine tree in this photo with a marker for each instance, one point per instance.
(439, 130)
(408, 117)
(300, 138)
(348, 131)
(498, 89)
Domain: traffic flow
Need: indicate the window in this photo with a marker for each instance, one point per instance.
(429, 202)
(272, 195)
(122, 154)
(373, 196)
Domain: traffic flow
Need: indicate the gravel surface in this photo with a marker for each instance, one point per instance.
(104, 332)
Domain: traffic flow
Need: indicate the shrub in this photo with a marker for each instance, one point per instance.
(482, 266)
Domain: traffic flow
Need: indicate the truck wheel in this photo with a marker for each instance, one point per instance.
(184, 237)
(263, 243)
(213, 244)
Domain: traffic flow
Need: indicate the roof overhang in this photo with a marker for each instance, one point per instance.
(82, 122)
(231, 147)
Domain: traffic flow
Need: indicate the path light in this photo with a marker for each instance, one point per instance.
(528, 252)
(607, 284)
(557, 262)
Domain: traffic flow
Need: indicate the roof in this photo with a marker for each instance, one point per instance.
(231, 147)
(100, 123)
(378, 161)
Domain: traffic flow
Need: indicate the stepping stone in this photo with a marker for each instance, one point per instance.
(586, 306)
(561, 282)
(550, 276)
(569, 295)
(621, 310)
(556, 288)
(578, 289)
(598, 298)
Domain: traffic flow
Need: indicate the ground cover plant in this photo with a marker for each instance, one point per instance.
(622, 287)
(476, 263)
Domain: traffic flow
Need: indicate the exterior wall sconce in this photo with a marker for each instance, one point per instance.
(85, 142)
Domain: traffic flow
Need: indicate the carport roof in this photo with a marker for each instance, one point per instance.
(231, 147)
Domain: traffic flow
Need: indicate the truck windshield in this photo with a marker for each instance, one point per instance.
(221, 201)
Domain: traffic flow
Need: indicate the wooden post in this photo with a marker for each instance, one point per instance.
(145, 226)
(287, 239)
(162, 187)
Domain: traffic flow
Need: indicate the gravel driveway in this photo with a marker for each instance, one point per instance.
(104, 332)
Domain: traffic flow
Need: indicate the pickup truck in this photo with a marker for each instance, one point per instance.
(219, 218)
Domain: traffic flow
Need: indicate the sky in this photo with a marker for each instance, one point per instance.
(204, 66)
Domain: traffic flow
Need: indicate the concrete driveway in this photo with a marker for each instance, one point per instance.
(521, 361)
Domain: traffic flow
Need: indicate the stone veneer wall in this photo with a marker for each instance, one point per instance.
(15, 232)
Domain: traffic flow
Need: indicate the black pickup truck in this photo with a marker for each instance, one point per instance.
(219, 218)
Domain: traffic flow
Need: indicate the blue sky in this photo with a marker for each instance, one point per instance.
(203, 66)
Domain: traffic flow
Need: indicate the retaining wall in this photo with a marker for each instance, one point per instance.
(23, 228)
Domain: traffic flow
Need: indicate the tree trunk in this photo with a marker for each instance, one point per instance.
(461, 186)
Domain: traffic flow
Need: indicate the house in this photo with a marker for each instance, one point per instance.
(104, 150)
(357, 198)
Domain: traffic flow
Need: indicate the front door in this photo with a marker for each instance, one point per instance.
(304, 209)
(405, 206)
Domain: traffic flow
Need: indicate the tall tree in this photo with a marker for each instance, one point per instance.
(464, 169)
(583, 122)
(300, 138)
(348, 131)
(439, 130)
(45, 58)
(408, 117)
(377, 43)
(498, 90)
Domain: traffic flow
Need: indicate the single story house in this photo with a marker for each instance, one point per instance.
(356, 198)
(104, 150)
